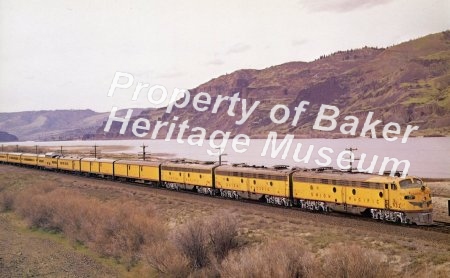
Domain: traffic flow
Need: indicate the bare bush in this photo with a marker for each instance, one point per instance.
(223, 232)
(207, 241)
(127, 230)
(354, 261)
(6, 201)
(117, 229)
(33, 205)
(167, 259)
(192, 241)
(280, 258)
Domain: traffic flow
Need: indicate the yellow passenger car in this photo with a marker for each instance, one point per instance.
(29, 159)
(14, 158)
(3, 157)
(48, 161)
(137, 170)
(98, 166)
(41, 160)
(67, 163)
(254, 182)
(189, 176)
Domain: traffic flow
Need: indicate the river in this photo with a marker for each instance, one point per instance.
(428, 157)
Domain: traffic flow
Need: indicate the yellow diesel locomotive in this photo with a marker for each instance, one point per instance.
(404, 200)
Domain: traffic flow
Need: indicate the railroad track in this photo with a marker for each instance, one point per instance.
(438, 226)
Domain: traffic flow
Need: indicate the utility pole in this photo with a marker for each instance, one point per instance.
(351, 160)
(17, 148)
(36, 148)
(61, 151)
(95, 150)
(143, 151)
(220, 155)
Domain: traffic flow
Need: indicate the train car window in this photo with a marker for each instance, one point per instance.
(242, 180)
(200, 176)
(354, 191)
(228, 179)
(386, 186)
(179, 174)
(254, 181)
(271, 183)
(189, 175)
(381, 194)
(334, 189)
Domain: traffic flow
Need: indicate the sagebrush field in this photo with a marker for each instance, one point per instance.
(150, 232)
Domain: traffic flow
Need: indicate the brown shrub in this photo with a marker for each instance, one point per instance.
(127, 229)
(6, 201)
(223, 232)
(33, 205)
(167, 259)
(280, 258)
(206, 241)
(354, 261)
(117, 229)
(192, 241)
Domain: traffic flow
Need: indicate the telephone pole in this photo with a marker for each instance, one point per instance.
(143, 151)
(352, 158)
(220, 156)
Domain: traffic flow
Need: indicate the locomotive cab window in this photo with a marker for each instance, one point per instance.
(411, 183)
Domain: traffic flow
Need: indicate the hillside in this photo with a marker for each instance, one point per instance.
(6, 137)
(49, 125)
(406, 83)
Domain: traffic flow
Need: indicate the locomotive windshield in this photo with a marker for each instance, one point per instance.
(411, 183)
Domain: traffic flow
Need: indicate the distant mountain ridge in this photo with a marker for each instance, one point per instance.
(6, 137)
(53, 124)
(407, 83)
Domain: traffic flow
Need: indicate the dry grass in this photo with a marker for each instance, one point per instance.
(354, 261)
(279, 258)
(441, 188)
(116, 221)
(128, 231)
(114, 229)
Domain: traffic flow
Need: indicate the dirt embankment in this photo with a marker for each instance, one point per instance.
(27, 253)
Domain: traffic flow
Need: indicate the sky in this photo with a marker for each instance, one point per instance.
(64, 54)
